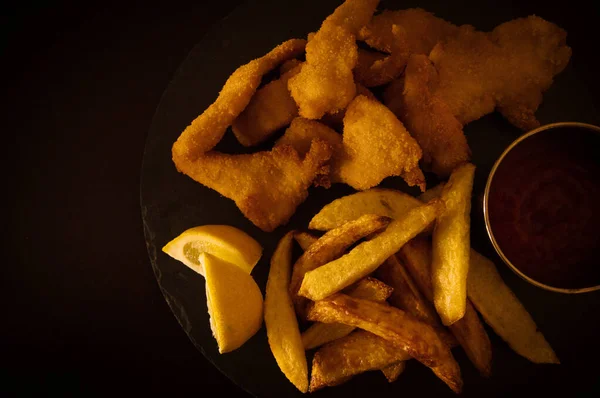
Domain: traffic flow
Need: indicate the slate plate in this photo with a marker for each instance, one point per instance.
(172, 202)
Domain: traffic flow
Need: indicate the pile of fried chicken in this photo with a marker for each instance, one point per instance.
(436, 78)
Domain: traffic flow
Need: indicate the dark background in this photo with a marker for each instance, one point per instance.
(82, 312)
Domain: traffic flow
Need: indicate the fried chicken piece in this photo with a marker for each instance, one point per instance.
(373, 69)
(271, 108)
(207, 129)
(336, 120)
(421, 30)
(300, 135)
(398, 33)
(376, 146)
(266, 186)
(289, 65)
(413, 99)
(508, 68)
(326, 83)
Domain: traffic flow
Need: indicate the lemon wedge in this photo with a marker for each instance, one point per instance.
(235, 303)
(223, 241)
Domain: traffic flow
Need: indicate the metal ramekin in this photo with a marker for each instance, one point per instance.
(486, 214)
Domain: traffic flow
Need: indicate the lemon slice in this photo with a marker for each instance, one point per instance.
(235, 303)
(222, 241)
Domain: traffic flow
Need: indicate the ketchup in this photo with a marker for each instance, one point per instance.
(544, 207)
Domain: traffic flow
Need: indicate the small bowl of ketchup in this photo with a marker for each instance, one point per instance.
(542, 207)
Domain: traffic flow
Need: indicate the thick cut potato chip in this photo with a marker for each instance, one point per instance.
(376, 146)
(407, 297)
(383, 202)
(469, 331)
(366, 257)
(271, 108)
(432, 193)
(503, 311)
(330, 246)
(326, 83)
(282, 326)
(208, 128)
(359, 352)
(304, 239)
(321, 333)
(394, 371)
(406, 332)
(452, 245)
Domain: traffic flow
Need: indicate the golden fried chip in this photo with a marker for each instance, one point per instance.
(384, 202)
(320, 333)
(326, 83)
(208, 128)
(392, 372)
(432, 193)
(282, 326)
(304, 239)
(452, 245)
(366, 257)
(503, 311)
(376, 146)
(271, 108)
(330, 246)
(359, 352)
(406, 296)
(469, 331)
(403, 330)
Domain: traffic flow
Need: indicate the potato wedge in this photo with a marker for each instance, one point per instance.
(469, 331)
(359, 352)
(407, 297)
(366, 257)
(403, 330)
(304, 239)
(282, 326)
(330, 246)
(432, 193)
(320, 333)
(383, 202)
(503, 311)
(394, 371)
(452, 245)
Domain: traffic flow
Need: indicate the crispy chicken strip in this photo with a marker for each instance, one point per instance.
(300, 134)
(403, 330)
(266, 186)
(208, 128)
(326, 83)
(431, 122)
(421, 30)
(376, 146)
(271, 108)
(508, 68)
